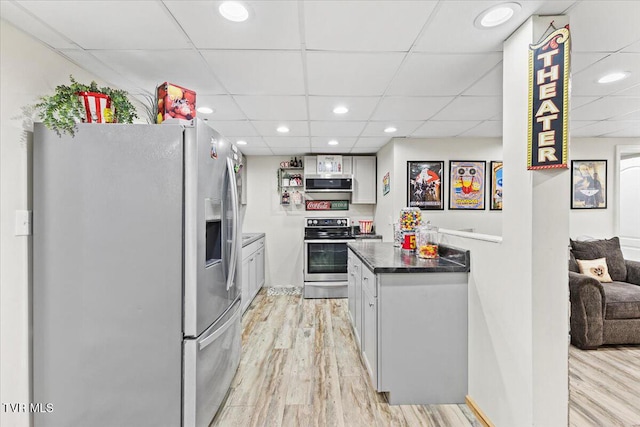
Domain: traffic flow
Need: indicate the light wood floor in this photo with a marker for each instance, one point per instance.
(604, 387)
(300, 367)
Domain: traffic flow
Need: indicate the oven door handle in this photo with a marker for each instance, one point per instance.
(330, 241)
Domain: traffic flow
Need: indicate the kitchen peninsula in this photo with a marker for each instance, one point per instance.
(409, 317)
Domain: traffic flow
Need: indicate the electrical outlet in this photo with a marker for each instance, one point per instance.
(23, 223)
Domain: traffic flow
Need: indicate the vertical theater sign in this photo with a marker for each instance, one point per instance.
(549, 101)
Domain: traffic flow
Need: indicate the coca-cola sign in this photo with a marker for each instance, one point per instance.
(327, 205)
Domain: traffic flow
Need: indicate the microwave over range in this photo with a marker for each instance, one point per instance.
(322, 183)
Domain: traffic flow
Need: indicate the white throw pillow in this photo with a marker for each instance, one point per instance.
(596, 268)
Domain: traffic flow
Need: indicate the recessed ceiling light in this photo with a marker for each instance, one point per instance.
(333, 142)
(496, 15)
(390, 129)
(234, 11)
(613, 77)
(282, 129)
(341, 109)
(205, 110)
(241, 142)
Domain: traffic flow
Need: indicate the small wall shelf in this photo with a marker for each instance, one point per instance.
(290, 180)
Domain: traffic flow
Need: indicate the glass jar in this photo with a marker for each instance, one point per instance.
(397, 235)
(410, 218)
(428, 240)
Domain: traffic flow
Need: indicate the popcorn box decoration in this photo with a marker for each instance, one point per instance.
(175, 104)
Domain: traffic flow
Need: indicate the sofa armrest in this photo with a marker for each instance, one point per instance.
(587, 310)
(633, 271)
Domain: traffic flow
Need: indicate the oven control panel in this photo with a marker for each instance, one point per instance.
(327, 222)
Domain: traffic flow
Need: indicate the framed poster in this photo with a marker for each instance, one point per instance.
(386, 185)
(424, 186)
(495, 186)
(588, 184)
(466, 190)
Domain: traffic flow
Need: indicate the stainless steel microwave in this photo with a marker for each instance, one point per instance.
(328, 183)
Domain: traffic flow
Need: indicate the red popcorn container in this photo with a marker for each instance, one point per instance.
(175, 104)
(409, 241)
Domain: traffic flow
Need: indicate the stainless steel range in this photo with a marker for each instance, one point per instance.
(325, 257)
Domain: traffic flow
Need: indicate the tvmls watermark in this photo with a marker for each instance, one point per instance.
(17, 408)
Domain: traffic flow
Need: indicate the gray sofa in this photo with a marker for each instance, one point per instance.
(604, 313)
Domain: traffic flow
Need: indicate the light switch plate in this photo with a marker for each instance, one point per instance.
(23, 223)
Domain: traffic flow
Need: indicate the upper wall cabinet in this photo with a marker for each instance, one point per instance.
(364, 180)
(363, 169)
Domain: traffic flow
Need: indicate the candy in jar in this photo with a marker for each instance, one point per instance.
(427, 241)
(410, 218)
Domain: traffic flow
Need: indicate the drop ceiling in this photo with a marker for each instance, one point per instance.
(419, 66)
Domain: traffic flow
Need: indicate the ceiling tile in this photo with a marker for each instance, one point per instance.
(602, 127)
(471, 108)
(595, 28)
(404, 128)
(268, 128)
(634, 47)
(582, 60)
(224, 108)
(605, 108)
(363, 150)
(331, 150)
(233, 128)
(292, 151)
(453, 30)
(578, 101)
(486, 129)
(441, 75)
(630, 132)
(351, 74)
(17, 16)
(271, 25)
(337, 128)
(586, 82)
(273, 107)
(488, 85)
(443, 129)
(94, 65)
(372, 142)
(252, 141)
(111, 25)
(329, 25)
(632, 91)
(634, 115)
(321, 142)
(141, 67)
(258, 72)
(256, 151)
(409, 108)
(287, 141)
(360, 108)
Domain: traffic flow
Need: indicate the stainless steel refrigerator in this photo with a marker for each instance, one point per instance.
(136, 301)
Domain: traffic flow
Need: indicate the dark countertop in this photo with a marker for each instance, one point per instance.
(385, 258)
(248, 238)
(367, 236)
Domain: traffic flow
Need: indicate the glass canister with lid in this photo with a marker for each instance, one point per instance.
(428, 240)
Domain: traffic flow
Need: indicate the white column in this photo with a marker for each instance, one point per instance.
(536, 229)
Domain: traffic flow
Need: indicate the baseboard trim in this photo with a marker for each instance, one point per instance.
(484, 420)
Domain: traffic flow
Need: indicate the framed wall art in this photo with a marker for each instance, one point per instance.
(588, 184)
(425, 181)
(495, 187)
(466, 191)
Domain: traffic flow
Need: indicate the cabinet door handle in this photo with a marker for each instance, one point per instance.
(371, 304)
(366, 278)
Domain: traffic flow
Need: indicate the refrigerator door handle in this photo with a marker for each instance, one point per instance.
(234, 240)
(211, 338)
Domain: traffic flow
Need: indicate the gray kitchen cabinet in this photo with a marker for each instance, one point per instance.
(355, 295)
(311, 166)
(370, 329)
(252, 272)
(364, 180)
(351, 286)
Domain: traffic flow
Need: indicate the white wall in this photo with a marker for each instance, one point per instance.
(27, 70)
(393, 158)
(597, 223)
(283, 225)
